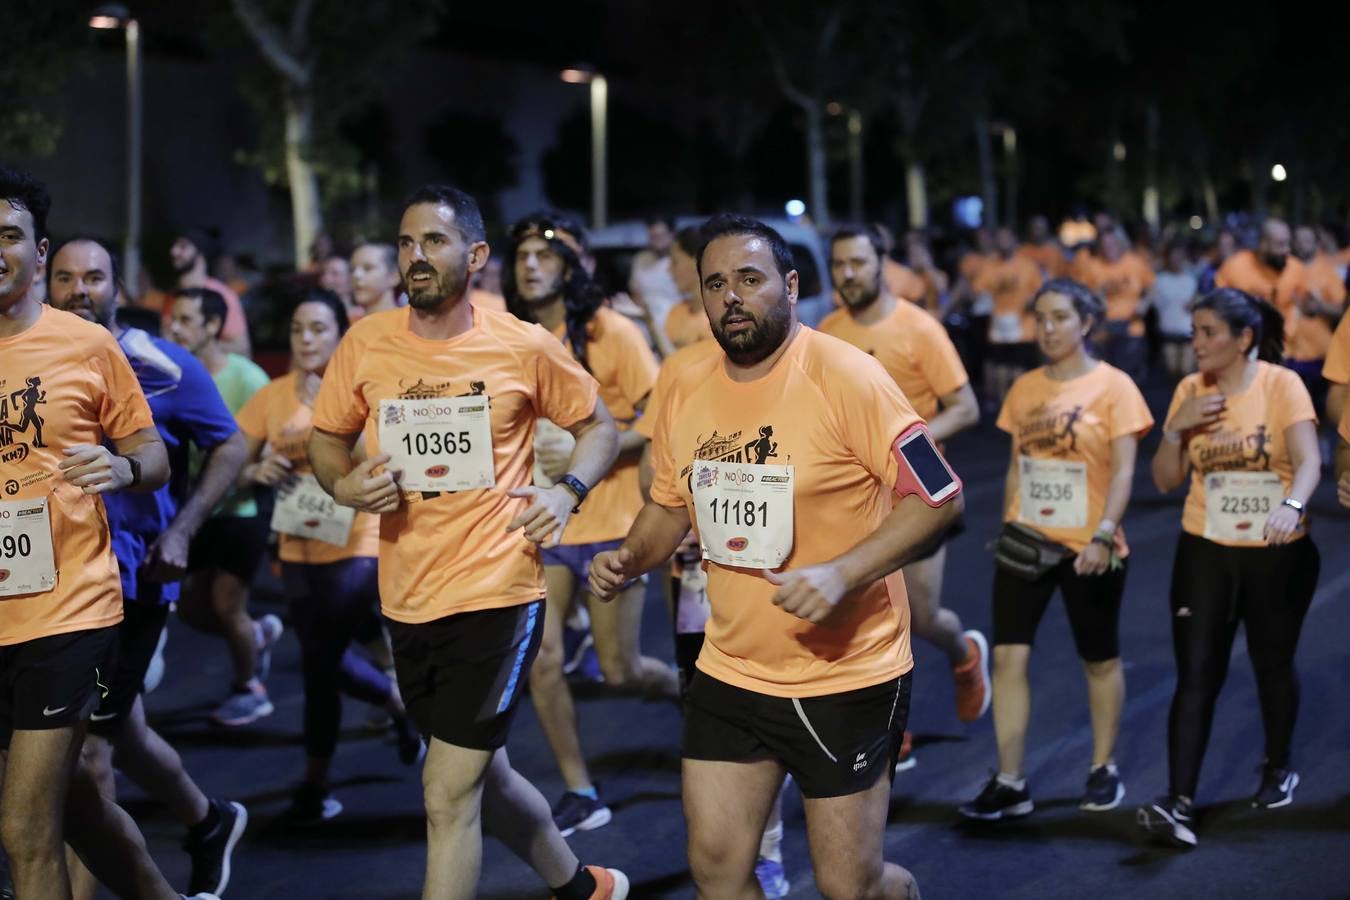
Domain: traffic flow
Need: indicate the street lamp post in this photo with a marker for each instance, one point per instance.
(107, 17)
(599, 138)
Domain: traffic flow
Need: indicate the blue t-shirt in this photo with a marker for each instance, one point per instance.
(188, 411)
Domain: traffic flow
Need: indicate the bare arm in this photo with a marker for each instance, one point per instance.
(597, 446)
(960, 410)
(909, 529)
(167, 558)
(147, 448)
(1336, 397)
(655, 536)
(95, 469)
(1306, 457)
(1170, 464)
(1011, 481)
(1343, 473)
(632, 442)
(223, 463)
(1124, 451)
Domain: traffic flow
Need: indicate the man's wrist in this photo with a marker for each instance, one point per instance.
(132, 477)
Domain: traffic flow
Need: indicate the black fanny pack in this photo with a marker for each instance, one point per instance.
(1026, 553)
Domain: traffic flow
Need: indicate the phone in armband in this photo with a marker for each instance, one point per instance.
(923, 470)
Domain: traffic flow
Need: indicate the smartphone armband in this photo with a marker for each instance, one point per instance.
(921, 468)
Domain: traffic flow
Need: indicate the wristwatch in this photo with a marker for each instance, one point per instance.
(574, 484)
(135, 465)
(1293, 504)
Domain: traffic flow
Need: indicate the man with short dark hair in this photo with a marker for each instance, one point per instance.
(151, 534)
(451, 392)
(190, 254)
(225, 553)
(811, 481)
(916, 352)
(65, 380)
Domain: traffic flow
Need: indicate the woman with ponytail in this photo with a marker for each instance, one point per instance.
(1244, 429)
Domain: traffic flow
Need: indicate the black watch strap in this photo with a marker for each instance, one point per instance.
(574, 484)
(135, 465)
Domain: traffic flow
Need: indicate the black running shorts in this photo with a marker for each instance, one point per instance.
(462, 676)
(833, 746)
(1091, 601)
(137, 637)
(56, 681)
(229, 544)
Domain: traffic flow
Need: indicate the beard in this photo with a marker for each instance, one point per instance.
(446, 285)
(1276, 261)
(757, 343)
(186, 266)
(864, 295)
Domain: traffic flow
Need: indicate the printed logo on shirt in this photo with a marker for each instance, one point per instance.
(18, 416)
(1234, 450)
(1049, 430)
(731, 448)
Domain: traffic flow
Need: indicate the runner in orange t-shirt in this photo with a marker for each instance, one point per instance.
(375, 281)
(686, 322)
(914, 349)
(448, 395)
(1243, 433)
(1122, 278)
(328, 554)
(67, 392)
(1075, 425)
(547, 284)
(1336, 371)
(1042, 248)
(788, 456)
(1319, 309)
(1011, 280)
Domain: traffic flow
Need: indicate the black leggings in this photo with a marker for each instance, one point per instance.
(329, 605)
(1213, 589)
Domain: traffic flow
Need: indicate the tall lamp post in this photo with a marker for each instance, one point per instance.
(599, 138)
(111, 16)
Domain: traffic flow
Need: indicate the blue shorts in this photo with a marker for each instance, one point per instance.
(577, 558)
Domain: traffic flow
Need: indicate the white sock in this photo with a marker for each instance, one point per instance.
(771, 844)
(1012, 781)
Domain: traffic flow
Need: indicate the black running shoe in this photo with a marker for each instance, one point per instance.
(1169, 820)
(577, 812)
(999, 801)
(1277, 788)
(1104, 789)
(313, 803)
(211, 852)
(411, 749)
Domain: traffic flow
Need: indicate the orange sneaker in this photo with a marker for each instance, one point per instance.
(610, 884)
(906, 760)
(972, 679)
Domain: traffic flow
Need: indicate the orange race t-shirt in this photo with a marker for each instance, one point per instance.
(1011, 282)
(1245, 271)
(914, 349)
(276, 415)
(1074, 420)
(672, 378)
(487, 300)
(447, 553)
(1250, 437)
(684, 327)
(1312, 334)
(1337, 365)
(1048, 257)
(902, 281)
(832, 413)
(622, 361)
(64, 382)
(1122, 285)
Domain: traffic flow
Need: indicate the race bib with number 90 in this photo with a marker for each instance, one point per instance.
(27, 565)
